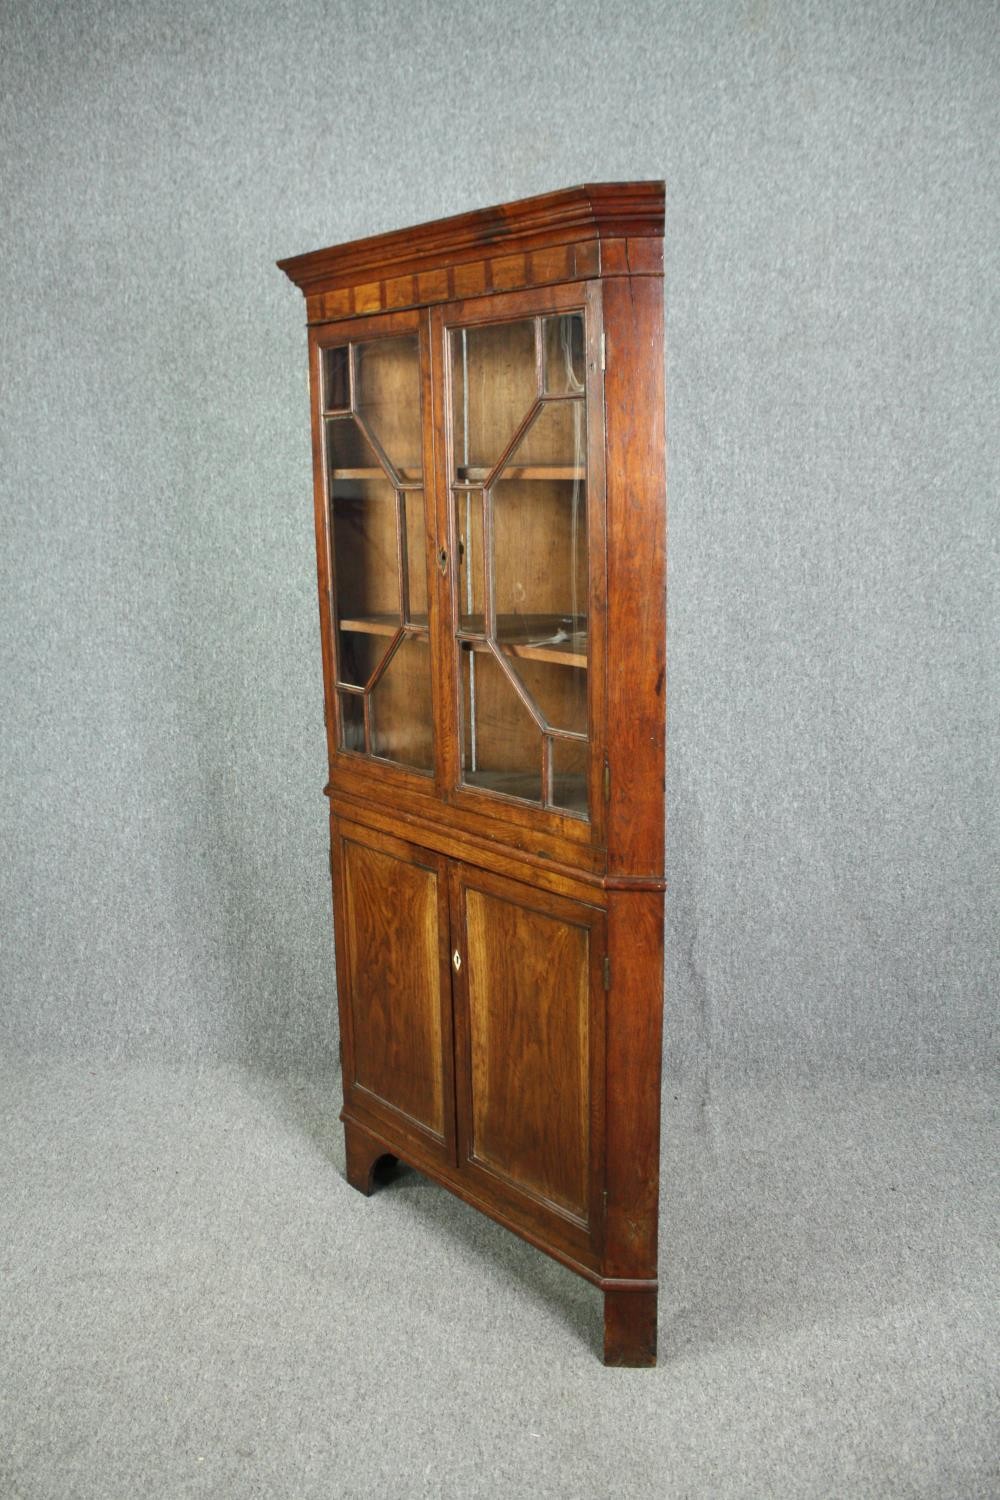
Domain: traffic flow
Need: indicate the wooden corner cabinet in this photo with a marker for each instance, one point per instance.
(488, 451)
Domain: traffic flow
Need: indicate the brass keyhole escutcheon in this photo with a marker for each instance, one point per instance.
(443, 561)
(456, 959)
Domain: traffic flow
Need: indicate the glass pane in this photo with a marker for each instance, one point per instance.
(401, 711)
(555, 441)
(501, 743)
(412, 502)
(569, 775)
(336, 384)
(352, 722)
(540, 563)
(388, 399)
(558, 692)
(349, 452)
(364, 548)
(469, 524)
(565, 354)
(523, 547)
(494, 386)
(360, 654)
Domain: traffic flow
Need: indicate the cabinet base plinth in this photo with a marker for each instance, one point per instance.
(630, 1328)
(364, 1153)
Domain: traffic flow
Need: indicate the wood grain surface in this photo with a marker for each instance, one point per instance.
(393, 977)
(488, 451)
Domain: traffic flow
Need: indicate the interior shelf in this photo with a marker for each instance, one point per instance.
(405, 476)
(382, 624)
(533, 637)
(469, 474)
(565, 653)
(557, 638)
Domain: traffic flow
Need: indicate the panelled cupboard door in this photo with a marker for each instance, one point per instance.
(530, 998)
(393, 977)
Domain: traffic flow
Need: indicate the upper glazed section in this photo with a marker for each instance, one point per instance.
(609, 229)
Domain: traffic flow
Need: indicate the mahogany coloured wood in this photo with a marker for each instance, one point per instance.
(601, 228)
(630, 1326)
(530, 1043)
(395, 995)
(500, 963)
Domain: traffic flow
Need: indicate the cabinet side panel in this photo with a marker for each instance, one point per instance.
(636, 489)
(393, 979)
(634, 1047)
(528, 990)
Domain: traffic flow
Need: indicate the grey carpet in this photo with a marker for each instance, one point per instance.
(195, 1303)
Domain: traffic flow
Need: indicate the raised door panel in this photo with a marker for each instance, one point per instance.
(530, 1001)
(393, 980)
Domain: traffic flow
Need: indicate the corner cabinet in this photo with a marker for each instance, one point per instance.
(488, 452)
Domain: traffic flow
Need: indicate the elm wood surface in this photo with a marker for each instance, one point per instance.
(364, 1155)
(473, 847)
(635, 941)
(530, 1041)
(555, 237)
(573, 281)
(394, 990)
(526, 1013)
(630, 1326)
(503, 826)
(636, 574)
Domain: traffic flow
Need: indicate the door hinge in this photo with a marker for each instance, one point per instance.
(604, 352)
(326, 714)
(329, 860)
(607, 972)
(607, 779)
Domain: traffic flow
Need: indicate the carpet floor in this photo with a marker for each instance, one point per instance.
(194, 1303)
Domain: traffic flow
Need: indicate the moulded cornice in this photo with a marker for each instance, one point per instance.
(603, 210)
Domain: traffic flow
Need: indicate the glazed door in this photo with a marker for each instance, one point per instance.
(394, 986)
(521, 480)
(375, 538)
(529, 972)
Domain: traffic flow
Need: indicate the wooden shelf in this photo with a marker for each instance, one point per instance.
(524, 636)
(405, 476)
(471, 475)
(532, 637)
(382, 624)
(563, 653)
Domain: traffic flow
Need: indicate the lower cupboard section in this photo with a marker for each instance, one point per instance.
(472, 1012)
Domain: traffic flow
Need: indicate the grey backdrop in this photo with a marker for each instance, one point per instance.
(831, 314)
